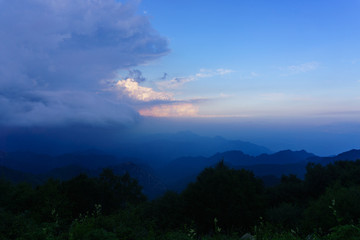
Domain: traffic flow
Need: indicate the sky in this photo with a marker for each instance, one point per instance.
(261, 58)
(285, 74)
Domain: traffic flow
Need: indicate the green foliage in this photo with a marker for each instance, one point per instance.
(178, 235)
(339, 205)
(47, 212)
(90, 227)
(282, 236)
(83, 193)
(130, 224)
(51, 205)
(6, 190)
(347, 203)
(223, 203)
(22, 198)
(24, 228)
(119, 191)
(319, 216)
(111, 191)
(348, 232)
(266, 231)
(168, 211)
(234, 197)
(316, 180)
(290, 190)
(287, 215)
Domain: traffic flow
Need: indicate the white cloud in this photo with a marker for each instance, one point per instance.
(177, 82)
(174, 83)
(132, 89)
(302, 68)
(203, 73)
(223, 71)
(149, 102)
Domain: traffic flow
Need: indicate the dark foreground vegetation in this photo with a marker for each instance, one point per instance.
(222, 203)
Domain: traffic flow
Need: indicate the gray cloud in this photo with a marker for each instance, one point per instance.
(136, 75)
(164, 76)
(55, 52)
(48, 108)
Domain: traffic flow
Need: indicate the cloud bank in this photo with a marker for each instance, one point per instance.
(54, 53)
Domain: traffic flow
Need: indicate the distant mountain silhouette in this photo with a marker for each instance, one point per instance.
(284, 157)
(283, 162)
(351, 155)
(162, 148)
(152, 150)
(36, 168)
(181, 171)
(87, 159)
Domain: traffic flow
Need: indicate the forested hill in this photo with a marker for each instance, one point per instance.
(36, 168)
(181, 171)
(152, 186)
(221, 203)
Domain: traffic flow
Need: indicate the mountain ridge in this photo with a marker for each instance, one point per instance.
(173, 175)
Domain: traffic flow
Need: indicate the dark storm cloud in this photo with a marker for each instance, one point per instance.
(55, 52)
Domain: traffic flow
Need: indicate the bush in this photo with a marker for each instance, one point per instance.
(348, 232)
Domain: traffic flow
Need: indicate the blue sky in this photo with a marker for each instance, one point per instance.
(268, 65)
(286, 58)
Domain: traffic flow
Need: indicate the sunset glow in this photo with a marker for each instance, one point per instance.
(174, 110)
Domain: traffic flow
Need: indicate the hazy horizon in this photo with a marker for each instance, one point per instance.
(323, 140)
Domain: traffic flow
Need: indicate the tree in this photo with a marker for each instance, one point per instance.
(290, 190)
(112, 192)
(83, 193)
(51, 203)
(168, 211)
(317, 180)
(233, 197)
(119, 191)
(338, 205)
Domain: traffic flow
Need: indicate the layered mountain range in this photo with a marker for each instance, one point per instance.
(172, 173)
